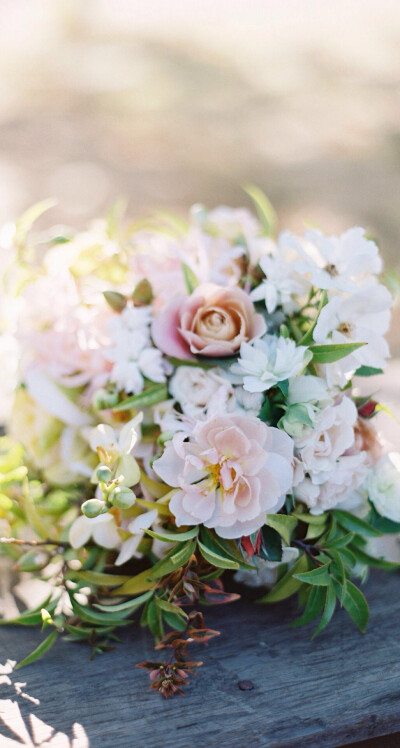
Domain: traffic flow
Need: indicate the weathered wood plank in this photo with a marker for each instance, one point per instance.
(341, 688)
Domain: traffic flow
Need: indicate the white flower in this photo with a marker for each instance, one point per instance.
(131, 352)
(266, 572)
(307, 396)
(361, 318)
(200, 392)
(114, 449)
(383, 485)
(343, 263)
(342, 486)
(136, 527)
(282, 283)
(264, 363)
(330, 436)
(102, 529)
(248, 402)
(232, 223)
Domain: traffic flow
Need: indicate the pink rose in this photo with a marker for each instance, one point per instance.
(232, 472)
(213, 321)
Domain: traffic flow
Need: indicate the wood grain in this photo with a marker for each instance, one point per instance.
(341, 688)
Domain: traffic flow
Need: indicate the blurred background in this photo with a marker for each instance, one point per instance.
(171, 102)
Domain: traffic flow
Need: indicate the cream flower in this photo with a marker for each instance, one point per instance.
(102, 529)
(342, 487)
(232, 471)
(383, 485)
(331, 435)
(282, 283)
(199, 391)
(114, 449)
(265, 572)
(136, 527)
(264, 363)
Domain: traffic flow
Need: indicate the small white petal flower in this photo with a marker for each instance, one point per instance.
(264, 363)
(383, 485)
(282, 283)
(114, 449)
(102, 529)
(136, 527)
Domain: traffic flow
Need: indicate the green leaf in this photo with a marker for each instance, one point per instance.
(99, 579)
(354, 524)
(174, 537)
(319, 576)
(341, 542)
(171, 608)
(190, 278)
(288, 585)
(154, 620)
(283, 387)
(150, 396)
(217, 560)
(222, 547)
(384, 525)
(329, 609)
(311, 519)
(308, 336)
(367, 371)
(174, 560)
(264, 208)
(271, 548)
(43, 647)
(282, 523)
(92, 616)
(376, 563)
(26, 221)
(265, 413)
(128, 607)
(356, 605)
(200, 364)
(328, 354)
(314, 606)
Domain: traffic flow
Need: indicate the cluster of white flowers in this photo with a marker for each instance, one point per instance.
(133, 356)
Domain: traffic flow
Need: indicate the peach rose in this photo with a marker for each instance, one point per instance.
(212, 321)
(232, 472)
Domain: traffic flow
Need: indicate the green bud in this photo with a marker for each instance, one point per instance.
(284, 331)
(165, 436)
(115, 300)
(103, 474)
(92, 508)
(122, 497)
(143, 293)
(104, 398)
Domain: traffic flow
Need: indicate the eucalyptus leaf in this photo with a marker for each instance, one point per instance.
(43, 647)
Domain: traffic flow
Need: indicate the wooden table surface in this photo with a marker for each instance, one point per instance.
(341, 688)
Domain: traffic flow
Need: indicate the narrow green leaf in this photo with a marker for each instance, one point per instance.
(356, 605)
(319, 576)
(282, 523)
(367, 371)
(174, 560)
(200, 364)
(174, 537)
(384, 525)
(99, 579)
(264, 208)
(128, 607)
(354, 524)
(43, 647)
(190, 278)
(314, 606)
(376, 563)
(311, 519)
(341, 542)
(150, 396)
(99, 619)
(329, 609)
(171, 608)
(223, 547)
(216, 560)
(328, 354)
(26, 221)
(283, 387)
(288, 585)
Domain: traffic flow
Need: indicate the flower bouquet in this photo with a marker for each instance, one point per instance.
(186, 406)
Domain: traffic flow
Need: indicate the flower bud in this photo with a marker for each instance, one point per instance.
(92, 508)
(143, 293)
(103, 474)
(122, 497)
(115, 300)
(103, 399)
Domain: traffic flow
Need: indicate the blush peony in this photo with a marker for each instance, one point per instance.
(212, 321)
(232, 472)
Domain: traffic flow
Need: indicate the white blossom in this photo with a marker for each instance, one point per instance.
(132, 353)
(282, 283)
(265, 573)
(383, 486)
(136, 528)
(200, 392)
(114, 449)
(263, 363)
(360, 318)
(102, 529)
(343, 263)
